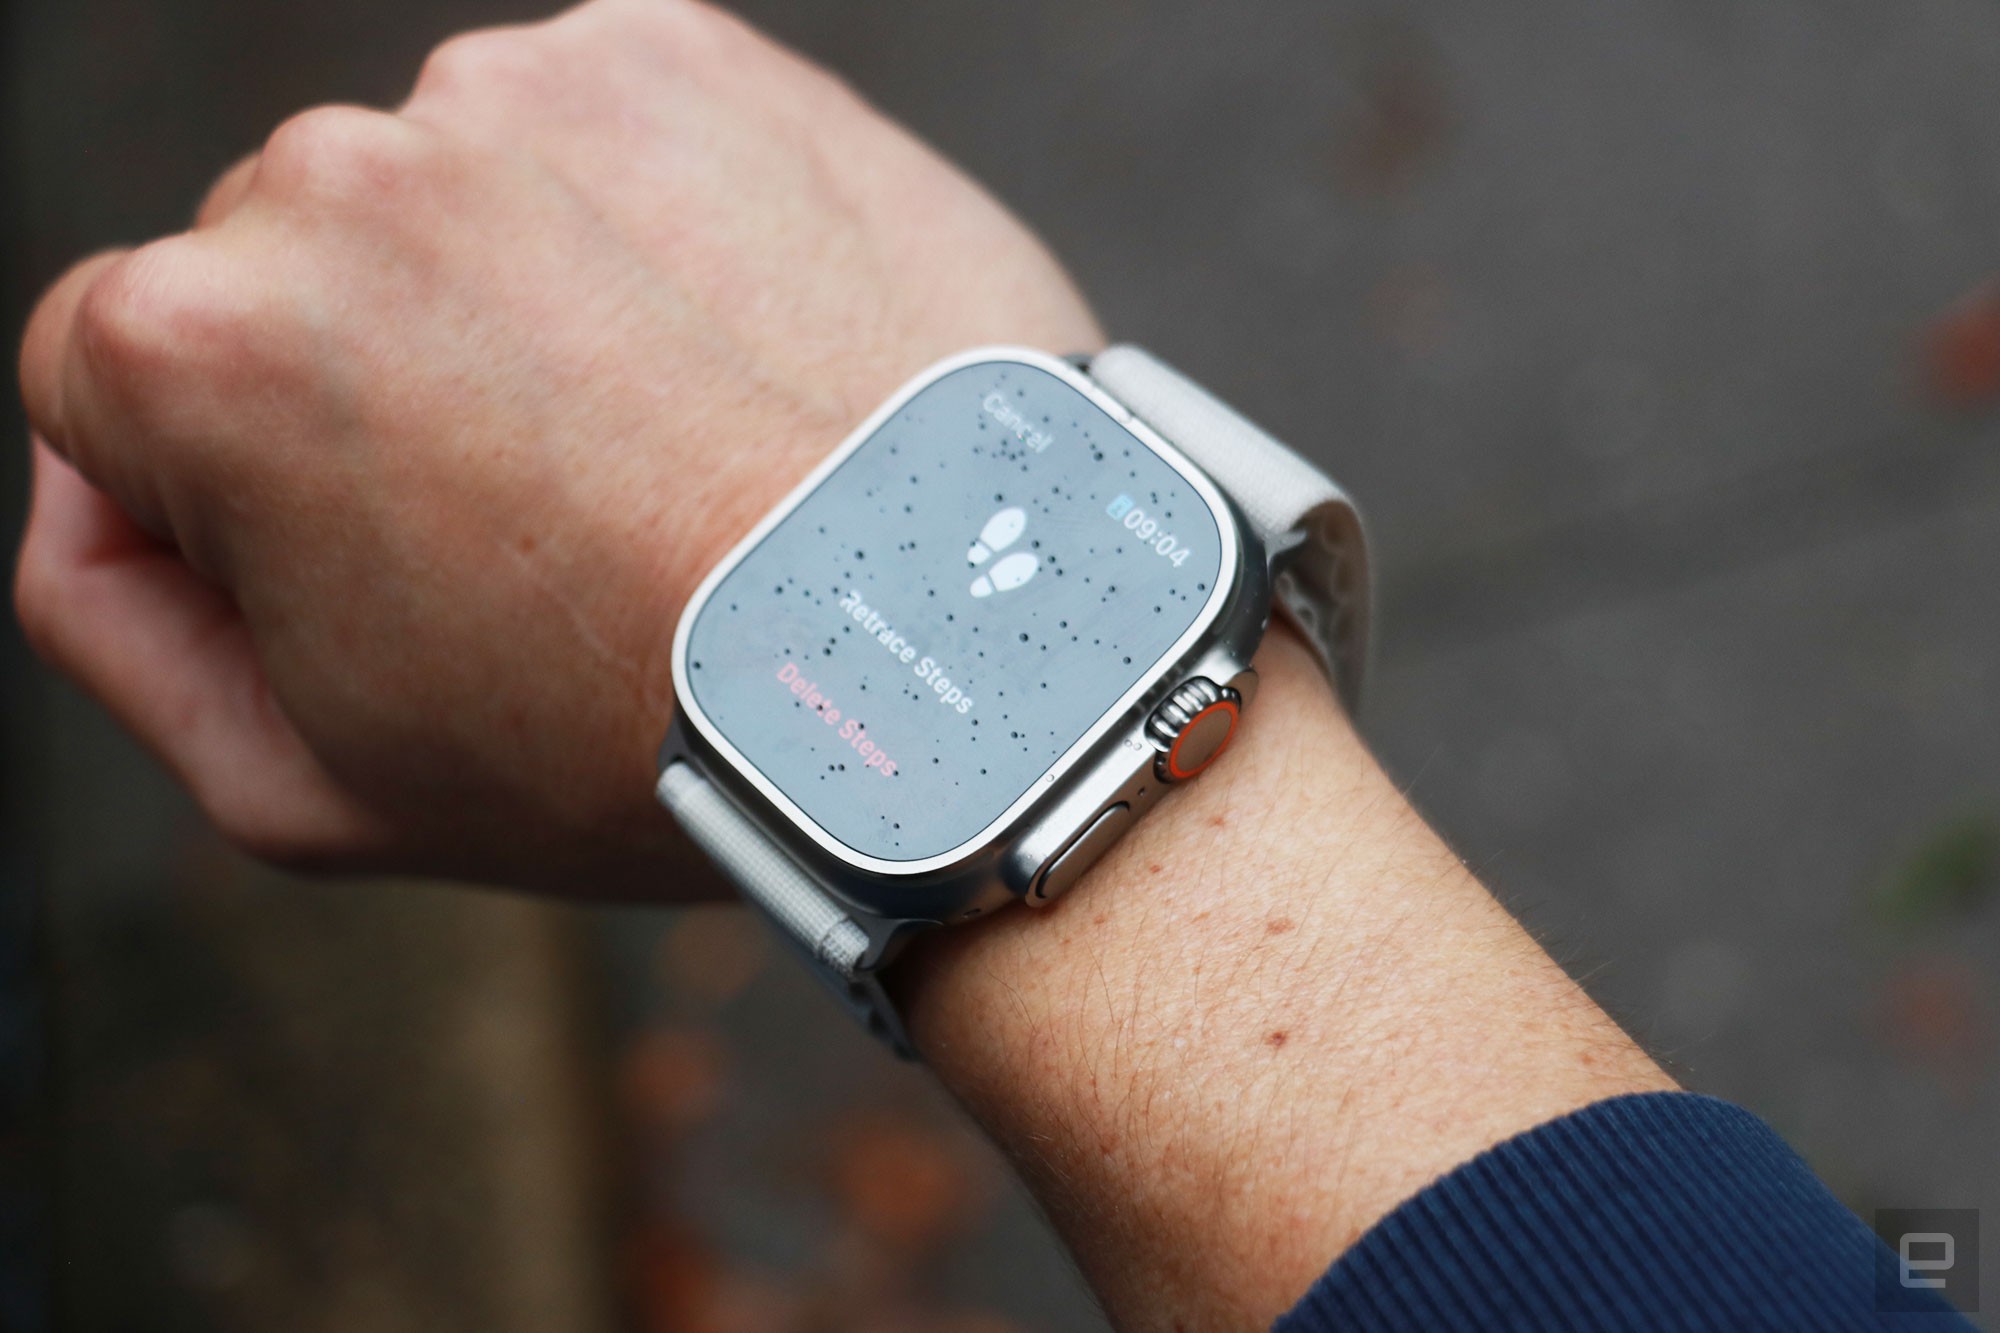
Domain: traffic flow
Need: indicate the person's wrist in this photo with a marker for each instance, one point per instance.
(1271, 1013)
(1079, 1035)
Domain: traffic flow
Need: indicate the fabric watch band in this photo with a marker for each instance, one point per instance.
(1313, 536)
(835, 945)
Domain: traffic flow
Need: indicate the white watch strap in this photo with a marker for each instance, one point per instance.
(1313, 531)
(834, 944)
(1320, 580)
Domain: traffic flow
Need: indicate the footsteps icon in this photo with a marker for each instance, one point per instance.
(1001, 531)
(1009, 572)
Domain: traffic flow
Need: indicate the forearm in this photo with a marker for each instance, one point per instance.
(1272, 1013)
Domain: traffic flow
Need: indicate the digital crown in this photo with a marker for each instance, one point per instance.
(1192, 727)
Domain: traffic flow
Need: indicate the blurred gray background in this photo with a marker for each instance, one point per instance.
(1658, 339)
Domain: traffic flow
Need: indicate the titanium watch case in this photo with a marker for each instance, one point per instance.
(1113, 764)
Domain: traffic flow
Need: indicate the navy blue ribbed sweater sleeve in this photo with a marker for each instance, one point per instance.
(1655, 1211)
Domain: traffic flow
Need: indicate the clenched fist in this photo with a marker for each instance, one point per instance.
(369, 504)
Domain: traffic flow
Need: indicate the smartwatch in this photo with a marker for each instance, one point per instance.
(964, 656)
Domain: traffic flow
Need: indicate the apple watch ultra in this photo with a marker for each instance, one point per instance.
(964, 656)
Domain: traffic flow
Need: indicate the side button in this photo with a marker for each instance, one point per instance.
(1069, 865)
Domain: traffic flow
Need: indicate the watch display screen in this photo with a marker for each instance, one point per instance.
(917, 643)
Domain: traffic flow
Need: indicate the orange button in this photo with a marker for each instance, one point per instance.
(1205, 736)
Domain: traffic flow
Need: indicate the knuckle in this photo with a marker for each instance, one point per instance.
(687, 33)
(701, 21)
(720, 34)
(132, 324)
(226, 192)
(490, 60)
(165, 326)
(341, 154)
(683, 16)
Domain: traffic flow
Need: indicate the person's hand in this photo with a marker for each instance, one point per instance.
(370, 503)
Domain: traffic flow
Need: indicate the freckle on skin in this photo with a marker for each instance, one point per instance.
(1217, 821)
(1099, 919)
(527, 545)
(1157, 869)
(1278, 925)
(1278, 1038)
